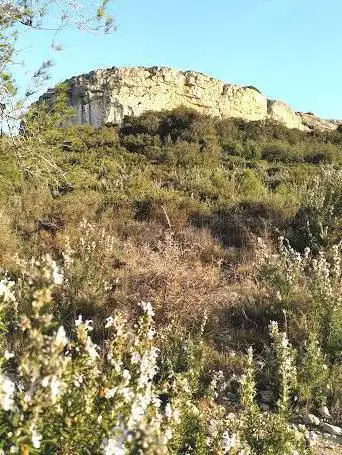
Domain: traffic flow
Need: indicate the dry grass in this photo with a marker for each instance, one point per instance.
(8, 242)
(182, 277)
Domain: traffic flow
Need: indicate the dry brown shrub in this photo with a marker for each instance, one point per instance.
(8, 242)
(32, 204)
(173, 277)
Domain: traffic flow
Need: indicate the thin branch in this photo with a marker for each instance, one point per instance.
(166, 217)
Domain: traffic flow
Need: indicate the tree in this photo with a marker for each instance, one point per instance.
(53, 15)
(33, 157)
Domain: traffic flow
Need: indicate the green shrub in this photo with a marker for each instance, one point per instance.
(67, 394)
(281, 152)
(249, 184)
(318, 220)
(306, 289)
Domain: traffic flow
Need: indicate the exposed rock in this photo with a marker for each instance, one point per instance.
(328, 445)
(324, 412)
(331, 429)
(301, 427)
(312, 437)
(106, 96)
(311, 121)
(311, 419)
(282, 113)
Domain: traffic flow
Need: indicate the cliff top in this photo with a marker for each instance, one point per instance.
(106, 95)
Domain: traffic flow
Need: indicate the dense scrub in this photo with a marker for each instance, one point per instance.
(232, 223)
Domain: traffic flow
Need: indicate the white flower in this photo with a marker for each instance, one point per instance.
(78, 380)
(45, 381)
(36, 438)
(109, 322)
(110, 393)
(176, 416)
(273, 326)
(91, 349)
(284, 340)
(126, 375)
(7, 393)
(28, 397)
(126, 393)
(168, 411)
(136, 357)
(147, 308)
(228, 442)
(138, 410)
(61, 339)
(79, 321)
(167, 435)
(6, 290)
(89, 324)
(57, 274)
(55, 385)
(151, 333)
(8, 355)
(112, 447)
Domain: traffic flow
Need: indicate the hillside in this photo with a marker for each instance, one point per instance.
(106, 96)
(230, 229)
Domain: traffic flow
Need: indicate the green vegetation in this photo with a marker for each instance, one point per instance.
(230, 230)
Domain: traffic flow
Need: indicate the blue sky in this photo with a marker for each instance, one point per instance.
(289, 49)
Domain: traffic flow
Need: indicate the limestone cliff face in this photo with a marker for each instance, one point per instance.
(106, 96)
(311, 121)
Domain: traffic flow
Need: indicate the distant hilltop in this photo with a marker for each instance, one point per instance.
(105, 96)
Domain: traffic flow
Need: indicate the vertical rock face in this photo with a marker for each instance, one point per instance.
(106, 96)
(281, 112)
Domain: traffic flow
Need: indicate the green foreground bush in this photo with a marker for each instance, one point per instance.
(62, 393)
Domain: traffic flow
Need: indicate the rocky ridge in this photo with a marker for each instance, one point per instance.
(105, 96)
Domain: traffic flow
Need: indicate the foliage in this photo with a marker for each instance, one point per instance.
(62, 392)
(179, 210)
(318, 220)
(18, 17)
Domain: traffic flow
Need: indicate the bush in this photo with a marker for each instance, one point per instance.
(318, 220)
(173, 219)
(67, 394)
(280, 152)
(306, 289)
(249, 185)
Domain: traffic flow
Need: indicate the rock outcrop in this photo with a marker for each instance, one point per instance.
(106, 96)
(311, 121)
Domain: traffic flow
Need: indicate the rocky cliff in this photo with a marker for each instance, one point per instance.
(106, 96)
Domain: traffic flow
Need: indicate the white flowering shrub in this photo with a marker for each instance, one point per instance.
(65, 393)
(284, 357)
(318, 221)
(88, 268)
(308, 288)
(314, 383)
(269, 432)
(304, 291)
